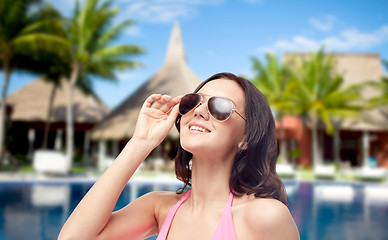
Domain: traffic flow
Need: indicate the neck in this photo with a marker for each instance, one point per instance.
(210, 181)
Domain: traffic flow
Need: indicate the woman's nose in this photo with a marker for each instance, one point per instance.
(201, 111)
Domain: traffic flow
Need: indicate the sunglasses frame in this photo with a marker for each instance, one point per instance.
(207, 106)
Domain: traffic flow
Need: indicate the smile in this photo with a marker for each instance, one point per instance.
(198, 128)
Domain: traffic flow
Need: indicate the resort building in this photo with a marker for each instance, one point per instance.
(359, 142)
(29, 109)
(174, 78)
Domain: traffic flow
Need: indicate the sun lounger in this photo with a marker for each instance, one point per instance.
(51, 162)
(324, 171)
(371, 173)
(285, 170)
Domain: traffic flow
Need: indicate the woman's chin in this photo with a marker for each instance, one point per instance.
(196, 149)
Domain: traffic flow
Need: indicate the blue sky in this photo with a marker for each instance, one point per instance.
(222, 35)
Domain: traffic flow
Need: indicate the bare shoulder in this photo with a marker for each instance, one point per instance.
(163, 198)
(143, 217)
(162, 202)
(265, 217)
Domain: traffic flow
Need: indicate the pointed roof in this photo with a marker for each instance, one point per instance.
(174, 78)
(30, 104)
(357, 68)
(175, 51)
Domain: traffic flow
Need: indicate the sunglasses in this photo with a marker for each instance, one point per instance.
(219, 108)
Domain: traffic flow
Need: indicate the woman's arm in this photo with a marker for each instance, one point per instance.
(94, 212)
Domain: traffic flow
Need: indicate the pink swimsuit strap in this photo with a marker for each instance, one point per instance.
(224, 231)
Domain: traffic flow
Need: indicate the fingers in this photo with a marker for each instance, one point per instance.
(151, 99)
(173, 114)
(162, 102)
(168, 105)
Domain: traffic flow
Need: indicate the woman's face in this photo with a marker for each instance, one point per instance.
(214, 137)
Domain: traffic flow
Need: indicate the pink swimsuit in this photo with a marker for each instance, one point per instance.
(224, 230)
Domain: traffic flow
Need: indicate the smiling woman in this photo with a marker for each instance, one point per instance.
(227, 155)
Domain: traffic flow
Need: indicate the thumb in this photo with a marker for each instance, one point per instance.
(172, 115)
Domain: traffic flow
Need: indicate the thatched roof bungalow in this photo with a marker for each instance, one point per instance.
(371, 129)
(29, 113)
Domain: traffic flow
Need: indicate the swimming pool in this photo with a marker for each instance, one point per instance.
(322, 210)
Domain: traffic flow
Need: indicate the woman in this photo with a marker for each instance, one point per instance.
(227, 155)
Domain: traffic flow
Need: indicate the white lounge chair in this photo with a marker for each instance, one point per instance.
(371, 173)
(285, 170)
(324, 171)
(51, 162)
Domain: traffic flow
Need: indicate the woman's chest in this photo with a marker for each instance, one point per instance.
(198, 226)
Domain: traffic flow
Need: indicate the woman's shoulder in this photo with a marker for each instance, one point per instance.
(267, 217)
(163, 201)
(252, 207)
(160, 200)
(166, 196)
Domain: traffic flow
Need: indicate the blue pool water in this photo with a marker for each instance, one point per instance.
(322, 210)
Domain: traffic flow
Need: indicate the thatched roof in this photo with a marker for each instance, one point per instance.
(173, 78)
(30, 104)
(358, 68)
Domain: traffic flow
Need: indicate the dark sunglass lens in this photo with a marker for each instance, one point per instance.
(188, 102)
(220, 108)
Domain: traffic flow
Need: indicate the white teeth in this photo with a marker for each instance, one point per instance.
(197, 128)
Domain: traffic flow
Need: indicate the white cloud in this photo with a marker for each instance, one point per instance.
(155, 11)
(350, 39)
(163, 10)
(158, 12)
(133, 31)
(324, 25)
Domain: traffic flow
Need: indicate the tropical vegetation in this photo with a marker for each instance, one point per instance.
(24, 41)
(381, 87)
(308, 86)
(80, 49)
(275, 81)
(89, 44)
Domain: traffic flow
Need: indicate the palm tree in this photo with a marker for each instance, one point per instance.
(381, 87)
(90, 36)
(20, 44)
(51, 64)
(319, 97)
(274, 81)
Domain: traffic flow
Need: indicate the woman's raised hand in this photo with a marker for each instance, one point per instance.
(156, 118)
(93, 216)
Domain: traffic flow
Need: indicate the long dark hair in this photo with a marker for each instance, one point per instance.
(254, 167)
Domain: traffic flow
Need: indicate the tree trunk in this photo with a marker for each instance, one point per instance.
(69, 115)
(7, 72)
(282, 142)
(365, 148)
(317, 159)
(337, 145)
(49, 111)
